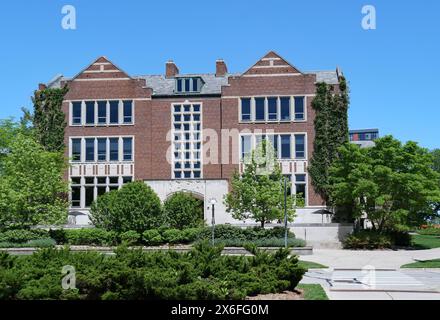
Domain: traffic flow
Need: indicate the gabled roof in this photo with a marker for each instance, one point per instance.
(271, 63)
(101, 68)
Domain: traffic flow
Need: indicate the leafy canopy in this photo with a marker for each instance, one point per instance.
(393, 184)
(32, 190)
(182, 210)
(133, 207)
(258, 193)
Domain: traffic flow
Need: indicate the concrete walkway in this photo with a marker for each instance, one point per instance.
(358, 259)
(347, 277)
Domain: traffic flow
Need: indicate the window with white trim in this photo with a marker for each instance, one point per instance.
(282, 144)
(301, 185)
(188, 84)
(101, 149)
(102, 112)
(272, 109)
(186, 133)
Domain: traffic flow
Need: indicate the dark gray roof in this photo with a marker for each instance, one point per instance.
(163, 86)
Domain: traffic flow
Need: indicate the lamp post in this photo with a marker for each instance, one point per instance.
(213, 202)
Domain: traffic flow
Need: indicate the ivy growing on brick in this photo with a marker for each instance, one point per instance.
(48, 118)
(331, 131)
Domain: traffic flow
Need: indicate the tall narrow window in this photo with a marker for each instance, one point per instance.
(187, 85)
(245, 146)
(300, 185)
(179, 85)
(76, 112)
(76, 150)
(90, 112)
(114, 149)
(89, 190)
(300, 146)
(195, 83)
(299, 108)
(128, 111)
(90, 149)
(285, 146)
(114, 112)
(102, 149)
(245, 109)
(272, 113)
(128, 148)
(273, 139)
(285, 108)
(259, 109)
(76, 196)
(102, 112)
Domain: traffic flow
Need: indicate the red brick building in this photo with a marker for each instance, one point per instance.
(187, 132)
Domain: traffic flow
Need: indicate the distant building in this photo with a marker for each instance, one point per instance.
(364, 138)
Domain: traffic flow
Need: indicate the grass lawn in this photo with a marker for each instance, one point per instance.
(313, 292)
(425, 241)
(423, 264)
(311, 265)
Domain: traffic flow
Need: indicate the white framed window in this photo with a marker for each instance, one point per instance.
(102, 112)
(187, 140)
(102, 149)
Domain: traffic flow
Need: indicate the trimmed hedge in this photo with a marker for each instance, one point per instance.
(370, 239)
(200, 274)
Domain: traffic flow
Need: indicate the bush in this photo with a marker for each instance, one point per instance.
(429, 231)
(90, 236)
(130, 237)
(172, 236)
(367, 239)
(152, 237)
(22, 235)
(183, 211)
(134, 207)
(268, 242)
(37, 243)
(202, 273)
(225, 231)
(399, 238)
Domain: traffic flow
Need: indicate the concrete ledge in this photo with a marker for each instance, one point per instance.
(179, 248)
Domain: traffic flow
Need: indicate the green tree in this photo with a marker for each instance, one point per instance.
(182, 210)
(436, 166)
(134, 207)
(32, 190)
(48, 118)
(393, 184)
(331, 131)
(258, 193)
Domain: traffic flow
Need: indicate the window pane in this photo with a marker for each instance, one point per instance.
(127, 179)
(177, 174)
(177, 108)
(196, 108)
(259, 109)
(299, 108)
(187, 174)
(272, 108)
(102, 112)
(114, 149)
(90, 112)
(299, 146)
(102, 149)
(273, 139)
(89, 196)
(128, 149)
(76, 149)
(90, 149)
(179, 85)
(128, 111)
(245, 109)
(76, 197)
(75, 180)
(285, 146)
(187, 85)
(102, 180)
(285, 108)
(245, 146)
(76, 112)
(113, 180)
(114, 112)
(300, 178)
(196, 174)
(301, 189)
(195, 84)
(101, 190)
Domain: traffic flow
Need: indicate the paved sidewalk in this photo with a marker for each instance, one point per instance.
(389, 259)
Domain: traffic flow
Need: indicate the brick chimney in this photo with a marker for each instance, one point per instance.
(41, 87)
(220, 68)
(171, 69)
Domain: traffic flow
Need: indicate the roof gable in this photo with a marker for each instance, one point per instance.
(101, 69)
(271, 64)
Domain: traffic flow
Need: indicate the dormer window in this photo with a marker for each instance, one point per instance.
(188, 84)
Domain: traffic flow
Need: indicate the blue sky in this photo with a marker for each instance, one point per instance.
(393, 70)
